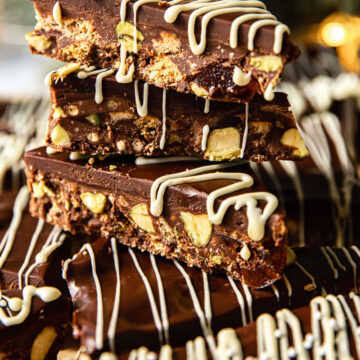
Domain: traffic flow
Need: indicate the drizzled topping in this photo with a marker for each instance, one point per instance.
(254, 11)
(22, 307)
(256, 218)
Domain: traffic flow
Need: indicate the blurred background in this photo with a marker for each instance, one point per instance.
(330, 26)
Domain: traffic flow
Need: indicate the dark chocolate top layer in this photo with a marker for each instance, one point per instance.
(129, 177)
(136, 326)
(152, 16)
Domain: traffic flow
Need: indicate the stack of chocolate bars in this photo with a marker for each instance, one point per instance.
(158, 124)
(163, 94)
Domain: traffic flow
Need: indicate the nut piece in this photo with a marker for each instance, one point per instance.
(293, 138)
(64, 71)
(140, 215)
(43, 343)
(217, 259)
(198, 227)
(57, 13)
(223, 144)
(93, 137)
(38, 42)
(199, 91)
(58, 113)
(266, 63)
(39, 190)
(245, 253)
(59, 136)
(126, 28)
(93, 119)
(94, 202)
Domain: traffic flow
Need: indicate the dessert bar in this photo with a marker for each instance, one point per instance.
(144, 300)
(242, 48)
(34, 309)
(137, 119)
(216, 217)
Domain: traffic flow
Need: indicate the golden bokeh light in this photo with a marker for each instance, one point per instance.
(334, 34)
(342, 31)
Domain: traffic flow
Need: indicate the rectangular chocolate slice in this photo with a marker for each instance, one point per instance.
(326, 326)
(154, 301)
(34, 311)
(217, 217)
(138, 119)
(242, 49)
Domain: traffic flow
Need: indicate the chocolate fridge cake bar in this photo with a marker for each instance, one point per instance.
(157, 301)
(325, 328)
(34, 308)
(113, 119)
(242, 48)
(217, 217)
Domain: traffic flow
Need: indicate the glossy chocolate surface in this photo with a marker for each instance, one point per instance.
(136, 327)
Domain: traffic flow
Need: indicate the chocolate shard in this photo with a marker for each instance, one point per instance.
(217, 217)
(294, 333)
(144, 120)
(158, 298)
(242, 50)
(34, 308)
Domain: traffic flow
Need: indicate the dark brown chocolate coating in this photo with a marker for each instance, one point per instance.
(135, 325)
(165, 46)
(45, 274)
(129, 185)
(121, 130)
(17, 340)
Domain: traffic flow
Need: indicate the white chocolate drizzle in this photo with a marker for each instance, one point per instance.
(205, 325)
(335, 257)
(153, 306)
(256, 218)
(353, 266)
(249, 300)
(141, 161)
(240, 300)
(240, 78)
(254, 11)
(246, 130)
(207, 106)
(7, 241)
(34, 239)
(99, 98)
(22, 307)
(116, 307)
(163, 133)
(306, 273)
(54, 241)
(26, 124)
(205, 135)
(142, 109)
(163, 310)
(288, 286)
(281, 336)
(314, 129)
(269, 93)
(329, 261)
(99, 300)
(57, 13)
(292, 171)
